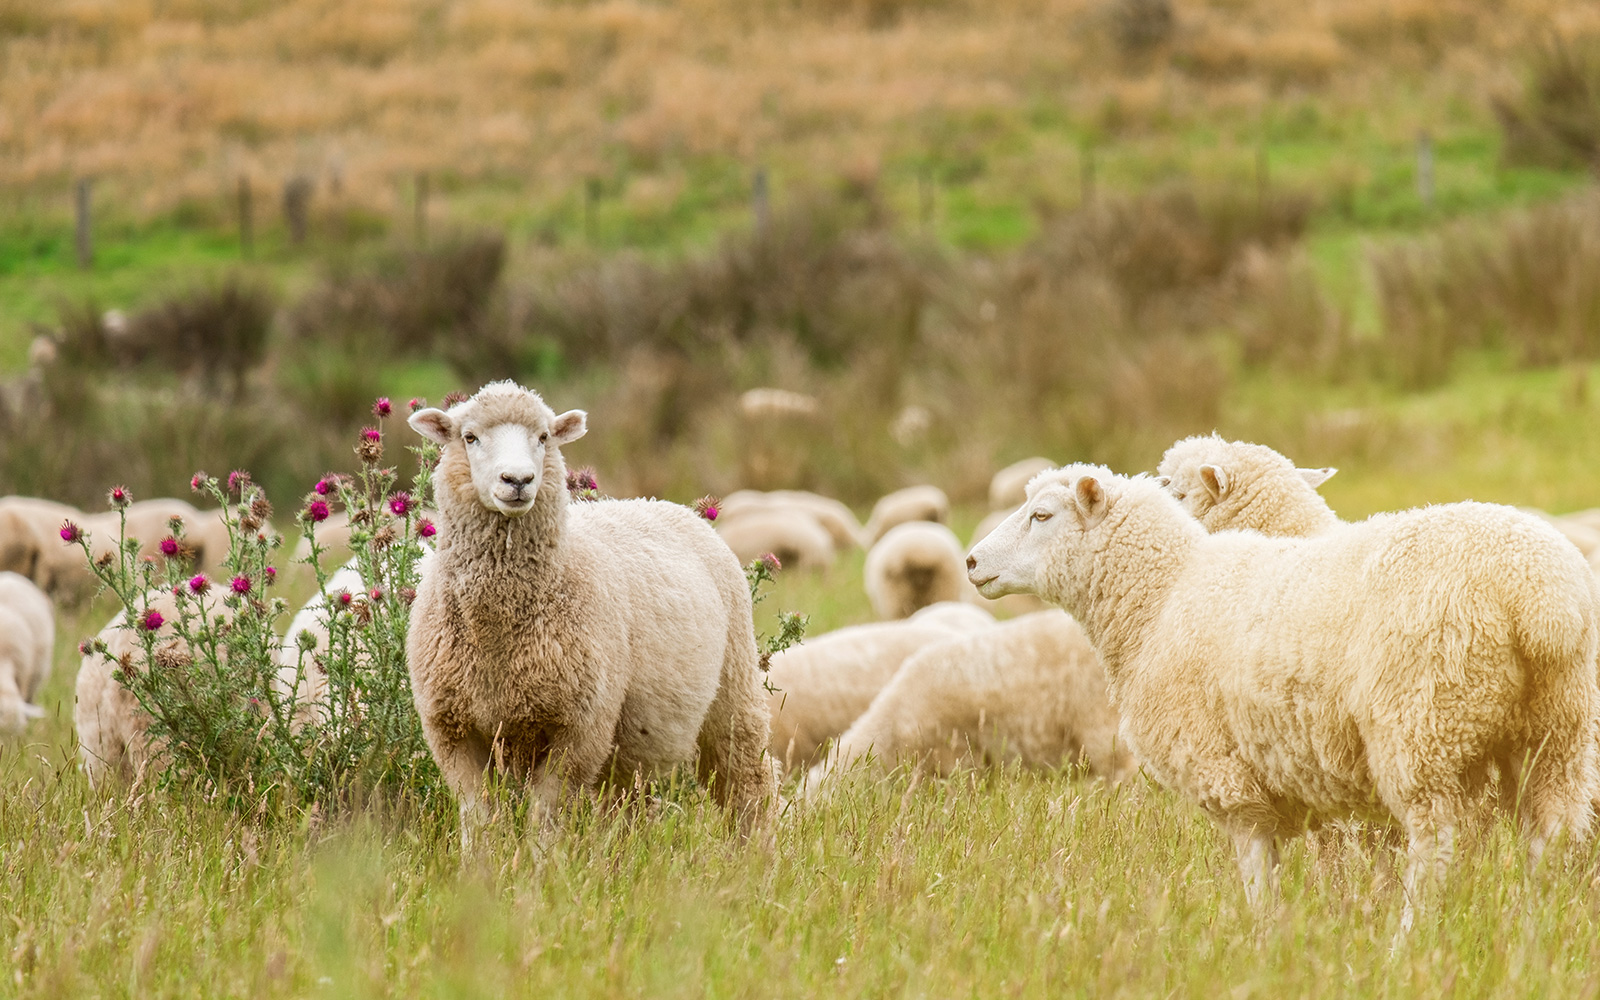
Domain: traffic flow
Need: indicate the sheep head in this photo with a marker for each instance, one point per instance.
(1062, 508)
(501, 446)
(1219, 482)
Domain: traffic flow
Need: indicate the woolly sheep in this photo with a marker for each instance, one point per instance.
(61, 569)
(1273, 680)
(571, 643)
(22, 539)
(1009, 486)
(914, 503)
(916, 564)
(820, 686)
(311, 689)
(1014, 605)
(838, 519)
(765, 402)
(793, 536)
(955, 615)
(1585, 538)
(1030, 690)
(27, 642)
(1236, 484)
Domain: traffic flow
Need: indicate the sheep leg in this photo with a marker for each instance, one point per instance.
(464, 763)
(1257, 850)
(1431, 832)
(733, 753)
(573, 764)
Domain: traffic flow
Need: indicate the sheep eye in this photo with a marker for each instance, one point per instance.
(544, 437)
(470, 438)
(1042, 515)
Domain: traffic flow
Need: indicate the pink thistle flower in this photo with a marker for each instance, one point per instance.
(452, 398)
(370, 434)
(377, 594)
(408, 595)
(199, 584)
(272, 576)
(317, 510)
(152, 620)
(119, 497)
(169, 547)
(708, 507)
(400, 504)
(344, 598)
(322, 487)
(238, 479)
(240, 585)
(86, 647)
(70, 533)
(772, 562)
(416, 404)
(198, 482)
(177, 590)
(382, 408)
(426, 529)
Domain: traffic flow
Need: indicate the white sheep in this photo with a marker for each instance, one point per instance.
(820, 686)
(770, 403)
(914, 565)
(1236, 484)
(572, 643)
(299, 672)
(793, 536)
(1009, 487)
(914, 503)
(1390, 664)
(27, 642)
(1581, 535)
(1029, 690)
(61, 569)
(839, 520)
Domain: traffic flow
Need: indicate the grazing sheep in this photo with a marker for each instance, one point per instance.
(916, 564)
(22, 539)
(793, 536)
(33, 538)
(823, 684)
(914, 503)
(1030, 690)
(61, 569)
(572, 643)
(311, 690)
(27, 641)
(838, 519)
(1235, 484)
(1009, 487)
(1394, 662)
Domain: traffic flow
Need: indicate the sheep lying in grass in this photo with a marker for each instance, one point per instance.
(1029, 690)
(914, 503)
(571, 644)
(837, 519)
(793, 536)
(1009, 487)
(27, 640)
(916, 564)
(60, 569)
(823, 684)
(1235, 484)
(1387, 663)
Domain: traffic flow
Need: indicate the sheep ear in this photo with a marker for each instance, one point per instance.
(433, 424)
(1091, 498)
(1163, 481)
(1214, 480)
(569, 427)
(1316, 477)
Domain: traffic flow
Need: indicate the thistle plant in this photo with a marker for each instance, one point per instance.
(239, 713)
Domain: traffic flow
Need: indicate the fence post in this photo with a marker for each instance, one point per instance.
(81, 227)
(420, 208)
(1263, 175)
(247, 222)
(1425, 168)
(296, 202)
(925, 195)
(1086, 175)
(760, 204)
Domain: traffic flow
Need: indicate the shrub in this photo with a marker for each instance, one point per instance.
(1555, 121)
(212, 332)
(224, 719)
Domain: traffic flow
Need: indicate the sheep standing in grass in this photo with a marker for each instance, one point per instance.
(1029, 690)
(793, 536)
(914, 503)
(1391, 663)
(27, 640)
(571, 644)
(837, 519)
(916, 564)
(1235, 484)
(822, 685)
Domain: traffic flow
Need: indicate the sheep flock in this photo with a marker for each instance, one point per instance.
(1213, 625)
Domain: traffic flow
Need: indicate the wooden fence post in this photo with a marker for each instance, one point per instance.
(1425, 168)
(247, 221)
(82, 235)
(420, 223)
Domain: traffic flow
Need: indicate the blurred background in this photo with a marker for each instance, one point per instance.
(953, 232)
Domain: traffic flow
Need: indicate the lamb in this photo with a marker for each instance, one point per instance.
(1235, 484)
(1008, 488)
(1274, 680)
(823, 684)
(839, 520)
(572, 644)
(1030, 690)
(793, 536)
(914, 503)
(916, 564)
(27, 641)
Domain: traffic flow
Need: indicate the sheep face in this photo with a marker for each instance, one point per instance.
(505, 440)
(1204, 473)
(1063, 507)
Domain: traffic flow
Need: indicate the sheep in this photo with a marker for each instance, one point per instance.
(1394, 662)
(1030, 690)
(839, 520)
(793, 536)
(762, 403)
(1235, 484)
(310, 689)
(820, 686)
(914, 503)
(1584, 537)
(61, 569)
(1014, 605)
(27, 641)
(22, 540)
(1009, 486)
(572, 643)
(916, 564)
(332, 534)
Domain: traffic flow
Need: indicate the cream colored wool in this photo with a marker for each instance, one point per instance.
(839, 520)
(916, 564)
(914, 503)
(574, 642)
(1584, 537)
(299, 672)
(956, 615)
(27, 641)
(40, 549)
(1235, 484)
(64, 574)
(1028, 690)
(22, 539)
(1009, 487)
(1385, 664)
(823, 684)
(793, 536)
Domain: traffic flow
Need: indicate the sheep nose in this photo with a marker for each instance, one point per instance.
(518, 481)
(972, 563)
